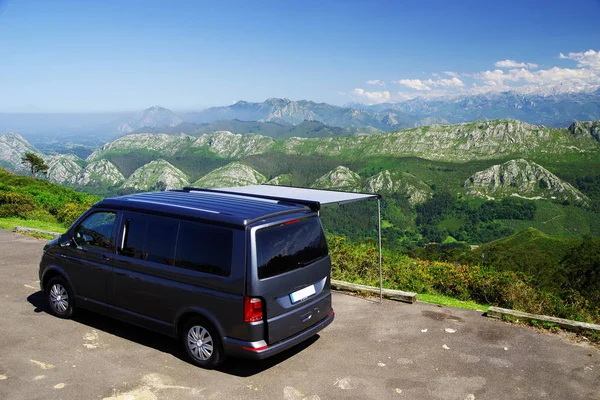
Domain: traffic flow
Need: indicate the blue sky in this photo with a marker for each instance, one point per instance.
(73, 56)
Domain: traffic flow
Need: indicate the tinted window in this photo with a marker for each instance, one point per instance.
(95, 231)
(286, 247)
(204, 248)
(150, 239)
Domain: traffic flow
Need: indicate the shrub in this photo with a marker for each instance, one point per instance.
(69, 212)
(359, 263)
(15, 205)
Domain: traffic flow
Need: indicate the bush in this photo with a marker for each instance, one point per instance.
(15, 205)
(359, 263)
(40, 200)
(69, 212)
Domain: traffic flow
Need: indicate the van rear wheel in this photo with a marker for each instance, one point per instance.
(202, 343)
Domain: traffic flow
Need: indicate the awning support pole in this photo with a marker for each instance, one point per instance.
(380, 262)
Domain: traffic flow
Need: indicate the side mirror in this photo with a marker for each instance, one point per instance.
(64, 240)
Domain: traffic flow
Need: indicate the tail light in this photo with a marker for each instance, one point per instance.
(252, 309)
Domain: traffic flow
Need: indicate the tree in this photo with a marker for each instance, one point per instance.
(36, 163)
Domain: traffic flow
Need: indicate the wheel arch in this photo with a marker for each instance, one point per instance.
(187, 314)
(53, 272)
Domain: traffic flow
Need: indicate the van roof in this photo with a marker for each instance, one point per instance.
(225, 208)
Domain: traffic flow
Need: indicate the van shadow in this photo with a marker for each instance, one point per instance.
(233, 366)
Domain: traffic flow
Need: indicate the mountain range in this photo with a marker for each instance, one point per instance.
(166, 161)
(284, 118)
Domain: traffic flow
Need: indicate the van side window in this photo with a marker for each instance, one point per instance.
(95, 231)
(151, 239)
(204, 248)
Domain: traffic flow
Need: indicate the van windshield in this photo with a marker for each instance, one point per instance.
(289, 246)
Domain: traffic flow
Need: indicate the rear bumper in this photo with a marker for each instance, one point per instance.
(260, 350)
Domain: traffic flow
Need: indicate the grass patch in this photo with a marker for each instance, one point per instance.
(38, 235)
(11, 222)
(451, 302)
(452, 224)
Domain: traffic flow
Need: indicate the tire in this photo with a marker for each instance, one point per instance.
(60, 298)
(202, 343)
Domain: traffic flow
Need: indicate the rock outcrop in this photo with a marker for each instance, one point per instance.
(521, 178)
(230, 145)
(281, 180)
(160, 144)
(586, 128)
(98, 173)
(340, 178)
(12, 148)
(399, 182)
(64, 168)
(156, 175)
(231, 175)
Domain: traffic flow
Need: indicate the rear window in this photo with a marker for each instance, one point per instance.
(289, 246)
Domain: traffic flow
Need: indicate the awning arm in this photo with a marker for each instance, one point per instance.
(380, 258)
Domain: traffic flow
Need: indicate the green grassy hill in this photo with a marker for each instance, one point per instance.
(528, 251)
(38, 203)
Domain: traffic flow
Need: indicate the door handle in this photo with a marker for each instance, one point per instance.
(104, 258)
(121, 273)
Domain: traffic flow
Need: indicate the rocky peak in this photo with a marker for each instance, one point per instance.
(521, 178)
(585, 128)
(281, 180)
(340, 178)
(99, 173)
(156, 142)
(157, 175)
(230, 145)
(63, 168)
(399, 182)
(231, 175)
(12, 147)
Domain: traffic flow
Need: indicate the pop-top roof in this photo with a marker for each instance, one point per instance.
(315, 198)
(231, 209)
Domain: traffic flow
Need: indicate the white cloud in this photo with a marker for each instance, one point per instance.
(589, 59)
(509, 75)
(376, 82)
(448, 82)
(514, 64)
(416, 84)
(542, 77)
(419, 84)
(372, 97)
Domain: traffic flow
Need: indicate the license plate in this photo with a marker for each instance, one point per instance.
(302, 293)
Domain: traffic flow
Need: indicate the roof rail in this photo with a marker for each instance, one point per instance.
(314, 205)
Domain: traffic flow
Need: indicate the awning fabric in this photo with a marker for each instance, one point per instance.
(303, 195)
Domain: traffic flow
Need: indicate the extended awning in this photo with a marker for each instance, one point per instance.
(314, 198)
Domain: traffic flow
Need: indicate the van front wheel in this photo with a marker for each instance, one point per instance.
(60, 298)
(202, 343)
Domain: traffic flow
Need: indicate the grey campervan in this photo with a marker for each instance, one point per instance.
(227, 274)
